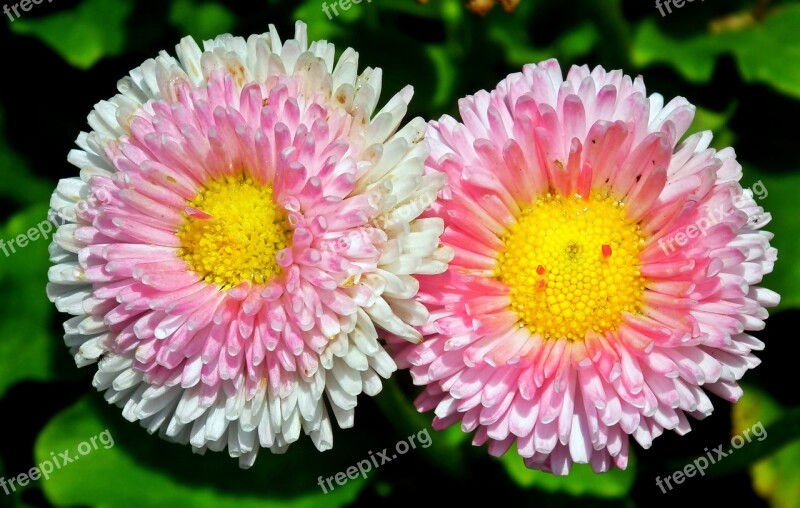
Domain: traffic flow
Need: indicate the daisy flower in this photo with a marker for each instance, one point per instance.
(605, 275)
(242, 222)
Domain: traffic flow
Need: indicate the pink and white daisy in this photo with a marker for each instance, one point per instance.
(241, 223)
(604, 275)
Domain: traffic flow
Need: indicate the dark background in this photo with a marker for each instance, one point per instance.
(739, 61)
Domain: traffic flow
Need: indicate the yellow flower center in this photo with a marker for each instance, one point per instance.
(233, 231)
(572, 266)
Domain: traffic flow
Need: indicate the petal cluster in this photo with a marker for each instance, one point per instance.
(250, 363)
(556, 400)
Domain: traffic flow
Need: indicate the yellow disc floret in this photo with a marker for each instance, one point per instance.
(232, 232)
(572, 265)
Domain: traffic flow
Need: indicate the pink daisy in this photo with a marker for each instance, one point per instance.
(241, 224)
(604, 276)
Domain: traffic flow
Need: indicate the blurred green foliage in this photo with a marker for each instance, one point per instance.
(776, 477)
(201, 20)
(142, 478)
(766, 50)
(27, 345)
(82, 36)
(16, 176)
(737, 60)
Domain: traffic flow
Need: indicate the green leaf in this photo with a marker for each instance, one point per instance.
(513, 35)
(445, 75)
(754, 406)
(82, 36)
(320, 26)
(141, 470)
(767, 51)
(570, 46)
(778, 195)
(201, 20)
(26, 346)
(18, 184)
(776, 478)
(581, 481)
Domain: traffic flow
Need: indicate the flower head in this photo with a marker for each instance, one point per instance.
(604, 276)
(241, 223)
